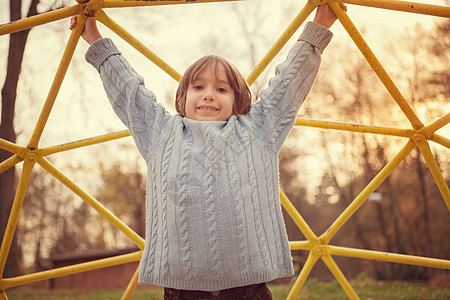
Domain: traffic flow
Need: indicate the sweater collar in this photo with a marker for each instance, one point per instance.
(207, 124)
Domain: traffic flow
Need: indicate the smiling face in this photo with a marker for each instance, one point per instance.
(223, 81)
(210, 97)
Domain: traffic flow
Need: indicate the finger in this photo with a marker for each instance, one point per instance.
(73, 22)
(343, 6)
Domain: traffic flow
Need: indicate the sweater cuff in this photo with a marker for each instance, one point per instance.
(316, 35)
(99, 51)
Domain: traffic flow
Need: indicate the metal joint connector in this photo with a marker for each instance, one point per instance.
(320, 250)
(319, 2)
(92, 7)
(419, 138)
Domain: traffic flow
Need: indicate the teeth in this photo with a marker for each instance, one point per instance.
(208, 108)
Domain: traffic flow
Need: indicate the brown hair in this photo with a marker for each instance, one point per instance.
(242, 94)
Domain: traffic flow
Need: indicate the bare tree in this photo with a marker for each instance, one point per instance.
(16, 50)
(17, 42)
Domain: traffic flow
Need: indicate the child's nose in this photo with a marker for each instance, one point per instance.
(208, 95)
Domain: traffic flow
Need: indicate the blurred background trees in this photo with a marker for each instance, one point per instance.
(407, 214)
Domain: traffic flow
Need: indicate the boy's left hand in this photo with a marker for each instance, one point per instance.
(90, 32)
(325, 16)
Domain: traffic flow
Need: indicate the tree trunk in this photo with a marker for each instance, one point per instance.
(17, 42)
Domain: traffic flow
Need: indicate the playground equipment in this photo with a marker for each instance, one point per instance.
(318, 247)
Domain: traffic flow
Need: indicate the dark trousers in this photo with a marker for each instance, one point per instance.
(251, 292)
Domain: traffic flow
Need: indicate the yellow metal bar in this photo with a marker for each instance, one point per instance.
(297, 218)
(424, 147)
(390, 257)
(59, 77)
(376, 65)
(309, 264)
(40, 19)
(429, 130)
(300, 245)
(440, 140)
(92, 202)
(9, 163)
(282, 40)
(83, 143)
(10, 147)
(369, 189)
(3, 295)
(78, 268)
(102, 17)
(404, 6)
(355, 127)
(131, 286)
(66, 12)
(340, 277)
(126, 3)
(15, 212)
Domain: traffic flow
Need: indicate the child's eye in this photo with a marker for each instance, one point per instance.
(222, 90)
(197, 87)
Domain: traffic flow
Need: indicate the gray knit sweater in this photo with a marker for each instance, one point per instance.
(213, 218)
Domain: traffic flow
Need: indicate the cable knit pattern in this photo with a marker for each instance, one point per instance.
(254, 197)
(165, 240)
(273, 208)
(214, 218)
(291, 111)
(210, 209)
(151, 219)
(241, 226)
(183, 224)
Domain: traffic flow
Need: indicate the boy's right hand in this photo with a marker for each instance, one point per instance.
(90, 32)
(325, 16)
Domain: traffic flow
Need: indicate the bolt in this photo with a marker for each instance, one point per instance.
(418, 139)
(31, 157)
(320, 250)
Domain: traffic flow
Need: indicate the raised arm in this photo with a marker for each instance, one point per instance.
(133, 103)
(274, 115)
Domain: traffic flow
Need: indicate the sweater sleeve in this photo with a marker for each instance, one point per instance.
(133, 103)
(274, 114)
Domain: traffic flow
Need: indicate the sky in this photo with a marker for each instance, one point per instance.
(179, 34)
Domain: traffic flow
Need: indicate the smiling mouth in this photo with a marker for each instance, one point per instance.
(207, 108)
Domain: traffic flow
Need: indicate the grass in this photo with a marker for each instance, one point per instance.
(29, 294)
(366, 289)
